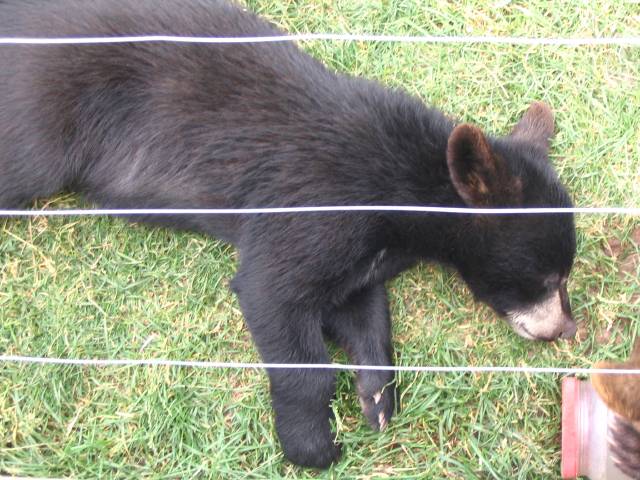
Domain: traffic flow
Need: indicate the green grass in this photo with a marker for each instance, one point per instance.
(102, 288)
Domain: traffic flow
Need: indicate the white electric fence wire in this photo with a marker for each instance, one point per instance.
(350, 37)
(311, 209)
(310, 366)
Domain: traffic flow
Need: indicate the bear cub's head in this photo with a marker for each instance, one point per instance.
(517, 264)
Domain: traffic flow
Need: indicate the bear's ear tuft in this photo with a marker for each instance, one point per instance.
(479, 176)
(536, 126)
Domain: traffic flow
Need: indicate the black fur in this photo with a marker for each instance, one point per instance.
(248, 125)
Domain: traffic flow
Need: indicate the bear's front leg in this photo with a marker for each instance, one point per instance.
(301, 401)
(288, 333)
(362, 327)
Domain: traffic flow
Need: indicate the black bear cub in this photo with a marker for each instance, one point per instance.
(256, 125)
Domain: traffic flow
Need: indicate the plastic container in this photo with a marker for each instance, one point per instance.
(585, 432)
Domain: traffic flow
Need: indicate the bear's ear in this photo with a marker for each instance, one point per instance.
(536, 126)
(479, 176)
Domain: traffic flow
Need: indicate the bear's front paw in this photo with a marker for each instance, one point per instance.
(307, 440)
(312, 450)
(377, 402)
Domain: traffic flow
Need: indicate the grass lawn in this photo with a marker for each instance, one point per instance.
(98, 287)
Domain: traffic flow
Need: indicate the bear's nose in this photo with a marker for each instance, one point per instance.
(570, 329)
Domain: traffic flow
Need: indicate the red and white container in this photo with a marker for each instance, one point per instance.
(585, 433)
